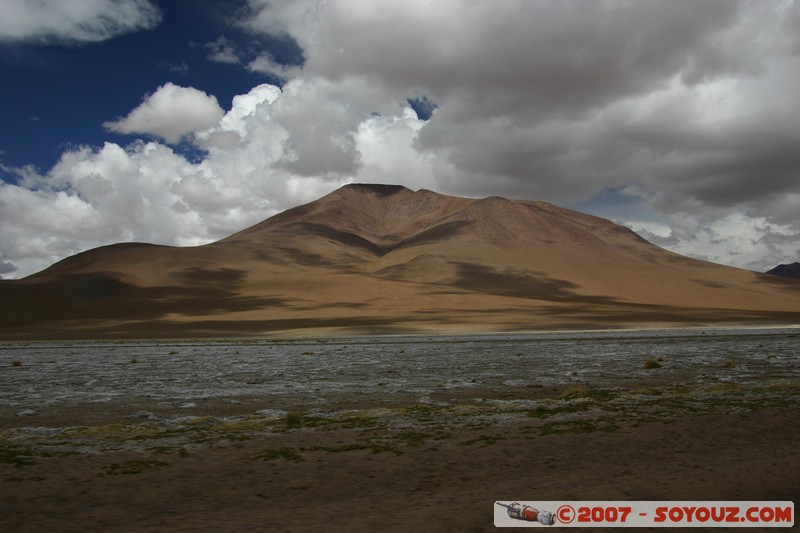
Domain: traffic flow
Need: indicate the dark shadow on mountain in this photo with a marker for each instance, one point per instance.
(93, 287)
(343, 237)
(437, 233)
(304, 258)
(295, 257)
(530, 285)
(169, 329)
(575, 316)
(351, 240)
(378, 189)
(106, 297)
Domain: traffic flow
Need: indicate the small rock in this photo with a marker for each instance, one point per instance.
(27, 412)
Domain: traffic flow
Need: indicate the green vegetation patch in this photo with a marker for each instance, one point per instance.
(293, 420)
(170, 450)
(16, 456)
(106, 431)
(423, 412)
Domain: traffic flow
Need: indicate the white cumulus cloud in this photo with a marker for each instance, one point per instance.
(171, 113)
(222, 50)
(74, 20)
(147, 192)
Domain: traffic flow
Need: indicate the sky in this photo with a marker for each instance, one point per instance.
(179, 122)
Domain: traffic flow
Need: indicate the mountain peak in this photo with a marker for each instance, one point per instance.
(377, 188)
(788, 270)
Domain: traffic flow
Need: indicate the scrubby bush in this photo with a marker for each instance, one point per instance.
(293, 419)
(653, 363)
(577, 391)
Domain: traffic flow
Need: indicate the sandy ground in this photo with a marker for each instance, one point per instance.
(397, 466)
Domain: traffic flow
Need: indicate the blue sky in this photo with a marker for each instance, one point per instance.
(179, 122)
(58, 93)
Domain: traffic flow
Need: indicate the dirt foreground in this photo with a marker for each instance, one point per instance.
(394, 467)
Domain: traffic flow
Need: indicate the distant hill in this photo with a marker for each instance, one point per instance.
(790, 271)
(383, 258)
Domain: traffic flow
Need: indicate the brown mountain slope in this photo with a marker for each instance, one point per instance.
(385, 258)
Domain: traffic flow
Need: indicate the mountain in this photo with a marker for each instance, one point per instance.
(790, 271)
(382, 258)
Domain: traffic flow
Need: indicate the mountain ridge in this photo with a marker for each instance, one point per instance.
(376, 258)
(791, 270)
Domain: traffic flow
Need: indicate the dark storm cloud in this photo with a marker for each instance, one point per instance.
(528, 59)
(521, 87)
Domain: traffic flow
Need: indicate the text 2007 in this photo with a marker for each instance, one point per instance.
(603, 514)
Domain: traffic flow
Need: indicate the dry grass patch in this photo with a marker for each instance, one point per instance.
(653, 363)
